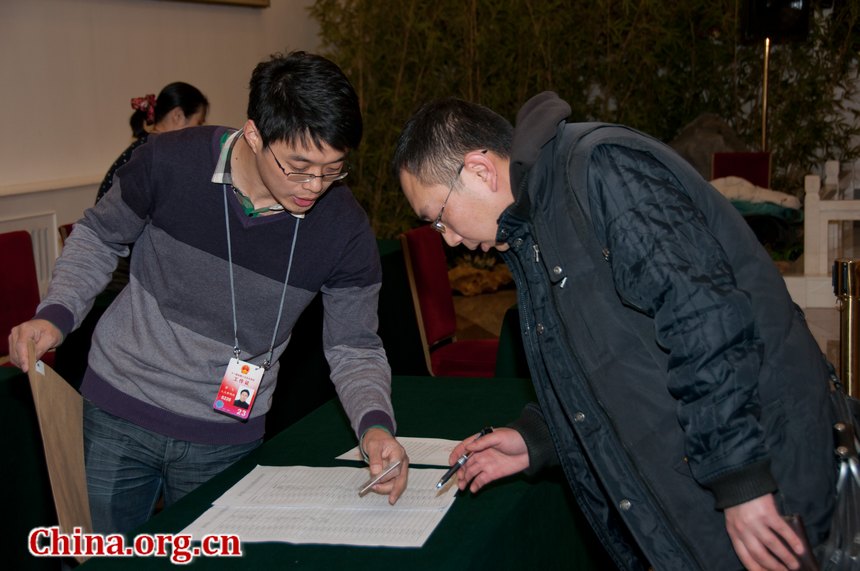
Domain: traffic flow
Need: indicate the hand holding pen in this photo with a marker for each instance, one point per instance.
(491, 457)
(460, 461)
(386, 458)
(366, 487)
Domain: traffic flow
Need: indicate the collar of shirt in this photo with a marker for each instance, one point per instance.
(222, 167)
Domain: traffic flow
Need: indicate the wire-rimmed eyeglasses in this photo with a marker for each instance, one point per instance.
(437, 224)
(302, 177)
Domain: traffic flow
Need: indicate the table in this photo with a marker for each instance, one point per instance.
(512, 524)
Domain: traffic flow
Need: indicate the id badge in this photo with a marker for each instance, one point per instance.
(238, 389)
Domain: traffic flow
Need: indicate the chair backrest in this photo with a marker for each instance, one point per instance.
(64, 231)
(752, 166)
(60, 410)
(19, 287)
(398, 324)
(427, 270)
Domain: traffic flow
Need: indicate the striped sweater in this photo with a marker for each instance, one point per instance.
(160, 350)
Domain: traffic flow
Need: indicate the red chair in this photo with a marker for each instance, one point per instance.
(427, 270)
(19, 288)
(752, 166)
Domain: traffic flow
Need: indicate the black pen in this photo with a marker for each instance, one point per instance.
(460, 461)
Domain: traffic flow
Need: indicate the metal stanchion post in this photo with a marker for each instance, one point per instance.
(846, 286)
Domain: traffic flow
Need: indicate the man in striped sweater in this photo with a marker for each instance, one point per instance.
(234, 233)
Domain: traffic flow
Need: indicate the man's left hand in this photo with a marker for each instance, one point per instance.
(761, 538)
(382, 450)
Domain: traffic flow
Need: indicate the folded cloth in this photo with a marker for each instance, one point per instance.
(738, 189)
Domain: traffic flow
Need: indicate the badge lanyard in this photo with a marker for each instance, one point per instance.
(268, 362)
(241, 381)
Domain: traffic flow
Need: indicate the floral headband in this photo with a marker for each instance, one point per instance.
(145, 104)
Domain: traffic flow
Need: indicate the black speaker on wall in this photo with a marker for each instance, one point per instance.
(782, 21)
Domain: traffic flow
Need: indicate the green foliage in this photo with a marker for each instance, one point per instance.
(651, 64)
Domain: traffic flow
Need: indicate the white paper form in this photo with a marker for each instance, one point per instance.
(424, 451)
(299, 504)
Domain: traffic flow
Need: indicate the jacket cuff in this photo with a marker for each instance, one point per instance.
(59, 316)
(535, 432)
(743, 485)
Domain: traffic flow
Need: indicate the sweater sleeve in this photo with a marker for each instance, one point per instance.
(359, 367)
(100, 238)
(666, 263)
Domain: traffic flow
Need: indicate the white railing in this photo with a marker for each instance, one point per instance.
(824, 237)
(828, 234)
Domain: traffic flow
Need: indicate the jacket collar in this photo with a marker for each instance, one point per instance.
(537, 125)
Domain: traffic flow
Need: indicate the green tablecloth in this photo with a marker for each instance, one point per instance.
(514, 524)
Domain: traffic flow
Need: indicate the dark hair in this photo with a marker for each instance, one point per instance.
(244, 391)
(176, 94)
(434, 141)
(304, 98)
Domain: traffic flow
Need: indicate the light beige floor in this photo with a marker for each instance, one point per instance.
(480, 316)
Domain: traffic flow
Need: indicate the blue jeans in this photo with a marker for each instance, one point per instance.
(128, 468)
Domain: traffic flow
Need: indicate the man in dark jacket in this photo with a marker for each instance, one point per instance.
(678, 385)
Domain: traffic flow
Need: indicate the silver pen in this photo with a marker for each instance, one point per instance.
(373, 481)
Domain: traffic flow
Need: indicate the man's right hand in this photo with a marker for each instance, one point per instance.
(44, 335)
(498, 454)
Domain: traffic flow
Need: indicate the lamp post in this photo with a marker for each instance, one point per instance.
(764, 96)
(846, 286)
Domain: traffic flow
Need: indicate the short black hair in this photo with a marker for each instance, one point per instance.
(435, 139)
(244, 391)
(306, 98)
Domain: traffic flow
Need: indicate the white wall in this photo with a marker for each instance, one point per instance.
(68, 69)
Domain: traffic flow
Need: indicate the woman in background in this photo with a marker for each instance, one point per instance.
(179, 105)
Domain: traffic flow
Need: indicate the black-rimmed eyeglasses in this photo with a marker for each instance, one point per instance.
(437, 224)
(302, 177)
